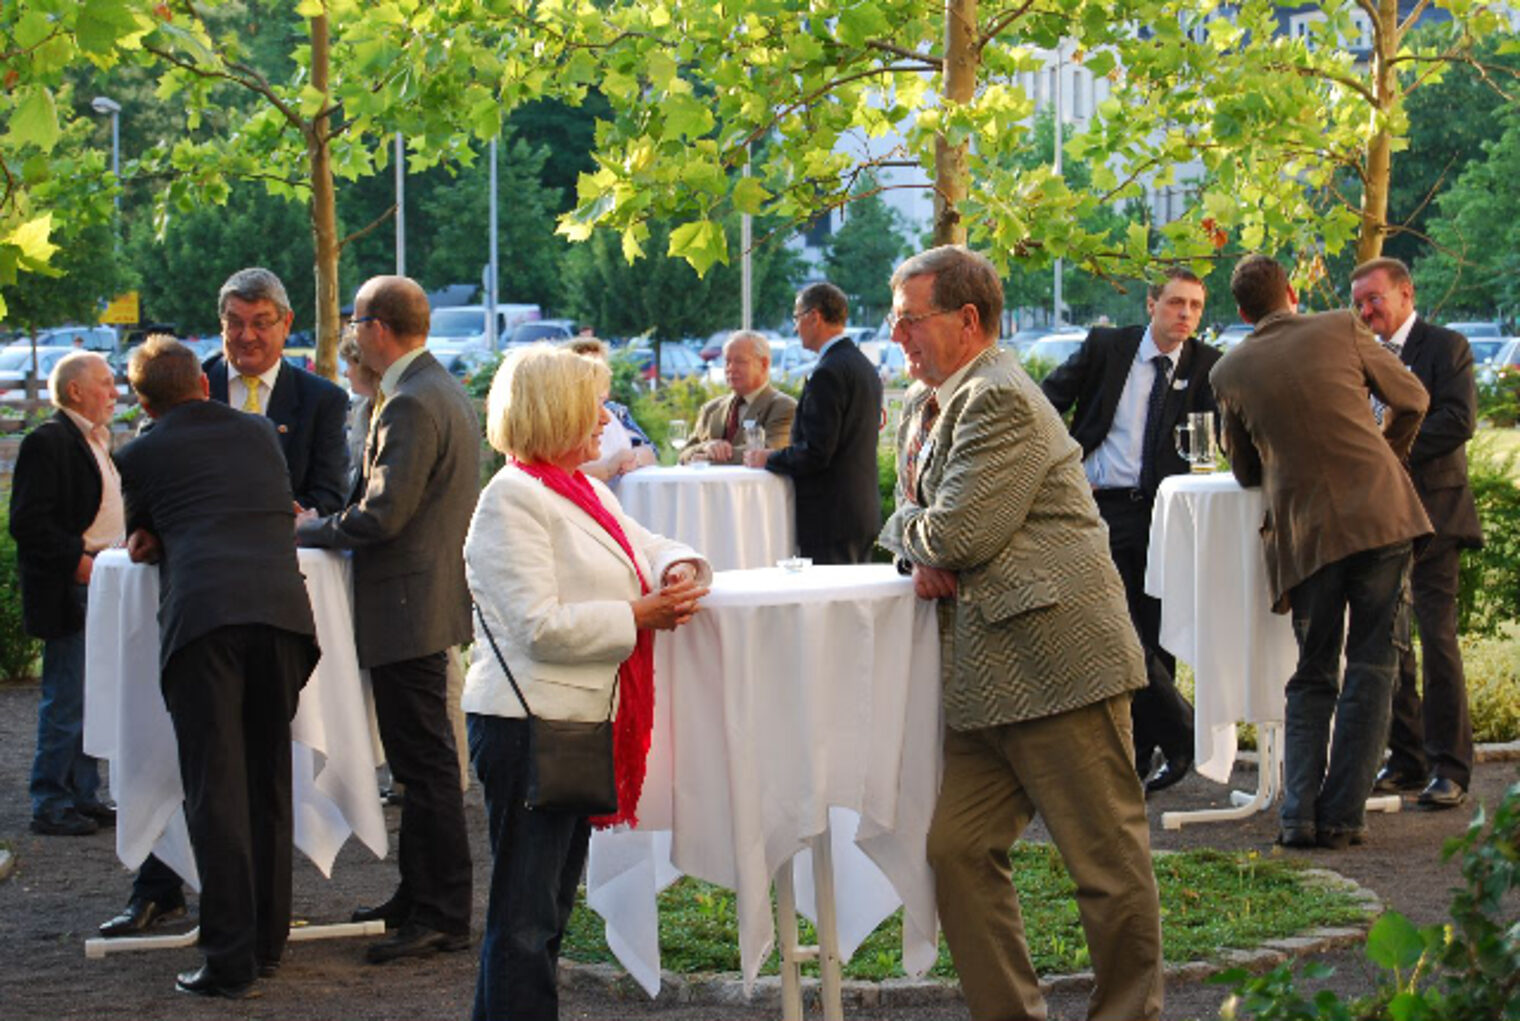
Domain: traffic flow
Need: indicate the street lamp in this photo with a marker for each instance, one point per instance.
(103, 105)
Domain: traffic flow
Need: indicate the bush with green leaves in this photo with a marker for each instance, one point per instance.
(1490, 582)
(18, 650)
(1467, 969)
(1499, 400)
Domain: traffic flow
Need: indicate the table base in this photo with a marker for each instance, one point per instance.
(826, 951)
(99, 946)
(1268, 786)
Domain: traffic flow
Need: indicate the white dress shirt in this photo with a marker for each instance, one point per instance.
(1115, 464)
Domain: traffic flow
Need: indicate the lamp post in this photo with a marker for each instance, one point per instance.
(103, 105)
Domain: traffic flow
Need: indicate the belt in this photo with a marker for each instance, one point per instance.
(1129, 494)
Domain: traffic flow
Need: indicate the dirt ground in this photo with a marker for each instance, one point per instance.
(64, 887)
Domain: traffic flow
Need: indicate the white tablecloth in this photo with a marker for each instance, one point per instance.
(791, 702)
(332, 757)
(739, 518)
(1207, 567)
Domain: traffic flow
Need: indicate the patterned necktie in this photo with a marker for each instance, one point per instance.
(731, 425)
(251, 402)
(1378, 407)
(1148, 478)
(928, 414)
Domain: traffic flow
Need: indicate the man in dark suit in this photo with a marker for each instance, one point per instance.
(1116, 379)
(207, 497)
(1340, 518)
(832, 455)
(1431, 745)
(309, 414)
(411, 604)
(65, 506)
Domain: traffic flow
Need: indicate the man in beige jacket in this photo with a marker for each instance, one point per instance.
(1341, 514)
(996, 520)
(719, 433)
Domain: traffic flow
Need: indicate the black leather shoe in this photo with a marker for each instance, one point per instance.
(1145, 762)
(1339, 840)
(413, 940)
(1171, 771)
(104, 815)
(1442, 793)
(203, 982)
(141, 915)
(1391, 781)
(269, 968)
(392, 914)
(1296, 836)
(67, 823)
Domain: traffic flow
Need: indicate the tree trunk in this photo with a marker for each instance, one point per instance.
(951, 173)
(1379, 155)
(324, 211)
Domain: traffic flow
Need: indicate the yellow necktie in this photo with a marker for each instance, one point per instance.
(251, 403)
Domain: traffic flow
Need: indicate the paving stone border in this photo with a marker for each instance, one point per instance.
(728, 988)
(7, 863)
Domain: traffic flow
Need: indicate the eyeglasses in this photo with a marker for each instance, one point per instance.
(260, 325)
(361, 320)
(797, 317)
(908, 321)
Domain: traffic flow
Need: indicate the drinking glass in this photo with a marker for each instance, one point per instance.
(754, 436)
(677, 434)
(1195, 441)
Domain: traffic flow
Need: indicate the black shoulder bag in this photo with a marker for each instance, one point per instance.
(569, 762)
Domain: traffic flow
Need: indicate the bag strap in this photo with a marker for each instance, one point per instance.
(502, 659)
(508, 670)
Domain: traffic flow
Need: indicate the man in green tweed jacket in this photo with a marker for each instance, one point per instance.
(996, 520)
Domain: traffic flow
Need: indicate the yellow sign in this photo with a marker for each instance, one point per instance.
(122, 311)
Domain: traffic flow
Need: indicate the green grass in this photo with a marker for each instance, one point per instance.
(1505, 441)
(1211, 901)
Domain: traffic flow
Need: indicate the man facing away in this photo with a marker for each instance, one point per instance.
(65, 507)
(207, 497)
(309, 414)
(1131, 388)
(411, 605)
(997, 521)
(1340, 518)
(831, 458)
(719, 433)
(1430, 741)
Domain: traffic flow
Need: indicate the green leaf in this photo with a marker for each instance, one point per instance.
(35, 121)
(686, 117)
(310, 8)
(31, 238)
(312, 101)
(701, 243)
(102, 23)
(750, 195)
(1394, 942)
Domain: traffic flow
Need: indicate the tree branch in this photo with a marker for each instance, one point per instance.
(929, 60)
(367, 228)
(1001, 22)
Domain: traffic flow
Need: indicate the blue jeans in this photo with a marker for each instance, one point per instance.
(536, 863)
(63, 776)
(1330, 797)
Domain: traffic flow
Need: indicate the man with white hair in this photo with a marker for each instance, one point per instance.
(65, 507)
(719, 435)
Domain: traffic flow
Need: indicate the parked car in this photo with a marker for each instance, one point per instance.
(541, 329)
(1505, 363)
(1055, 348)
(1231, 335)
(1485, 350)
(16, 362)
(677, 361)
(1022, 339)
(891, 364)
(1478, 331)
(95, 338)
(791, 362)
(463, 327)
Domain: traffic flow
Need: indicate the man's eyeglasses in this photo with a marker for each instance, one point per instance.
(908, 321)
(797, 317)
(361, 320)
(260, 325)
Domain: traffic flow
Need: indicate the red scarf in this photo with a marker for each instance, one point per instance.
(635, 717)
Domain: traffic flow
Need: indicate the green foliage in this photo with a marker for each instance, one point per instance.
(18, 650)
(1499, 400)
(1492, 668)
(1490, 579)
(1211, 901)
(1464, 970)
(861, 254)
(681, 398)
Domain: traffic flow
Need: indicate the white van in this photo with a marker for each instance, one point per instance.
(461, 329)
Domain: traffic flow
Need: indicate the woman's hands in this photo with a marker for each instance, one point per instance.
(672, 605)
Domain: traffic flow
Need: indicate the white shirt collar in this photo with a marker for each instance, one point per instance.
(1149, 350)
(1401, 335)
(392, 377)
(952, 383)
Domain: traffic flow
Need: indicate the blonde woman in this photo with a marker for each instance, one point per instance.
(572, 591)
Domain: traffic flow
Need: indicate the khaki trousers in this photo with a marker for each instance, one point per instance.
(1077, 770)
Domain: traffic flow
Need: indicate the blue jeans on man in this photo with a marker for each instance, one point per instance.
(64, 779)
(1325, 793)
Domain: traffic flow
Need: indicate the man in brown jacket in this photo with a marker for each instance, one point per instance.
(1341, 514)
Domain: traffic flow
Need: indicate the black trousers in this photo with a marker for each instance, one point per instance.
(1161, 716)
(434, 852)
(1433, 735)
(231, 695)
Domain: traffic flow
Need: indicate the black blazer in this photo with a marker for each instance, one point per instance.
(831, 458)
(1093, 380)
(310, 414)
(1438, 461)
(210, 483)
(55, 495)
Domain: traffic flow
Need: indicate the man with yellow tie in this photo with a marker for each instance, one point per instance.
(309, 414)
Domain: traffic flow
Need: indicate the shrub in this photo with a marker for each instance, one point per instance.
(1492, 666)
(1499, 400)
(1490, 582)
(682, 398)
(18, 650)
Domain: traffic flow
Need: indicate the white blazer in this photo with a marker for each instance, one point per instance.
(555, 589)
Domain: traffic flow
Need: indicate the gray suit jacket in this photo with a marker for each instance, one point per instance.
(408, 522)
(771, 409)
(1039, 624)
(1297, 422)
